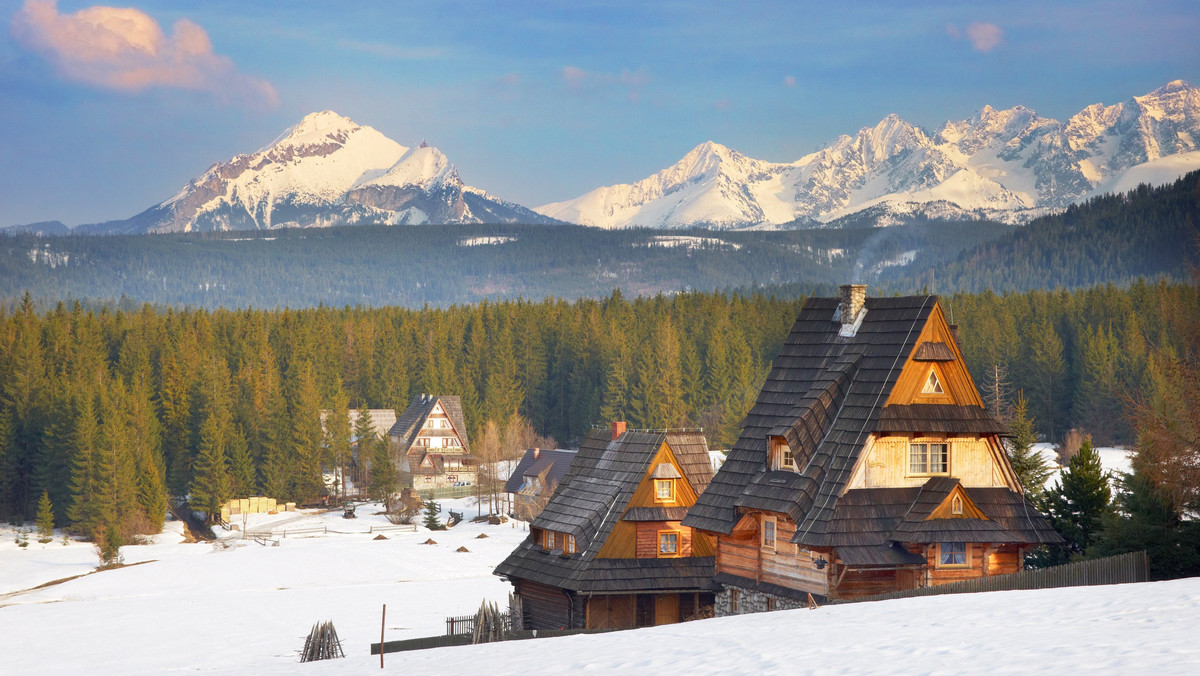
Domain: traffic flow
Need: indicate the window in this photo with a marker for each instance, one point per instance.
(782, 457)
(952, 554)
(569, 546)
(733, 600)
(549, 539)
(768, 532)
(668, 543)
(932, 384)
(770, 604)
(928, 459)
(664, 489)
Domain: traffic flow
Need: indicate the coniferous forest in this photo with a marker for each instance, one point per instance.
(110, 411)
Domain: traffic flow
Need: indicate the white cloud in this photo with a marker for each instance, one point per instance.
(125, 49)
(632, 80)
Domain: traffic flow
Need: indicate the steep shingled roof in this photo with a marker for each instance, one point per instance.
(825, 395)
(409, 423)
(553, 462)
(592, 498)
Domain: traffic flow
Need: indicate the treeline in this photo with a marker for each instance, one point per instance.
(1146, 232)
(110, 411)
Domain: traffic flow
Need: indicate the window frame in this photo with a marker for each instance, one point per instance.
(965, 552)
(548, 539)
(569, 544)
(931, 380)
(926, 466)
(774, 528)
(670, 534)
(669, 484)
(734, 600)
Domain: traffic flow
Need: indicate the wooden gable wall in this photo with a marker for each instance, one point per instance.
(622, 542)
(956, 380)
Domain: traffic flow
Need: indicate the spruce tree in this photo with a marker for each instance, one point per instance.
(1079, 503)
(1148, 521)
(1031, 468)
(211, 485)
(432, 509)
(45, 519)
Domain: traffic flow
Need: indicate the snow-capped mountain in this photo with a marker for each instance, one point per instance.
(1009, 165)
(324, 171)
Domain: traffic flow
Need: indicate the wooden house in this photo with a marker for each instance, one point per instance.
(430, 443)
(868, 464)
(534, 479)
(608, 550)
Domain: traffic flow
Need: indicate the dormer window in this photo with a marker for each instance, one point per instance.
(548, 539)
(569, 545)
(932, 384)
(664, 490)
(668, 543)
(782, 457)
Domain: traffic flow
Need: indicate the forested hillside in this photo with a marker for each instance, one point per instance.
(109, 411)
(1147, 232)
(439, 265)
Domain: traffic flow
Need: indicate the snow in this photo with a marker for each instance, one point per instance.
(1115, 461)
(247, 609)
(486, 240)
(1157, 172)
(424, 166)
(691, 242)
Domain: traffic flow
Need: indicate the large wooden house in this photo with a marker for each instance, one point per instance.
(608, 550)
(430, 443)
(868, 464)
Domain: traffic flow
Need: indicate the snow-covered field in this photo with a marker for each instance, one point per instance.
(193, 607)
(1116, 461)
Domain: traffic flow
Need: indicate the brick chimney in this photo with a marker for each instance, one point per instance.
(851, 298)
(618, 428)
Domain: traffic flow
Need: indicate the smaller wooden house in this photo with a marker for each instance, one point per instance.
(430, 443)
(534, 479)
(608, 550)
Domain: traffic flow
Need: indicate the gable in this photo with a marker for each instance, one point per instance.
(622, 543)
(935, 357)
(957, 505)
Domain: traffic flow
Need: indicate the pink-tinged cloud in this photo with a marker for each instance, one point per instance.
(125, 49)
(984, 37)
(789, 81)
(723, 104)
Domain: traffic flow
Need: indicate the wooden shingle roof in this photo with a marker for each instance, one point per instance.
(825, 395)
(591, 499)
(554, 463)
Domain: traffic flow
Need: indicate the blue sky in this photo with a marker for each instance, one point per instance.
(533, 101)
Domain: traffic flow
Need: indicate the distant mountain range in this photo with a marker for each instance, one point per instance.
(324, 171)
(1004, 165)
(1007, 165)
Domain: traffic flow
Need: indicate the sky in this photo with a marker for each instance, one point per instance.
(107, 111)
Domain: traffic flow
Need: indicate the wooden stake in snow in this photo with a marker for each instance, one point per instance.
(322, 644)
(382, 621)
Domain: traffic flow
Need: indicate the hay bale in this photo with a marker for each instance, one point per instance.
(379, 537)
(463, 549)
(430, 541)
(481, 536)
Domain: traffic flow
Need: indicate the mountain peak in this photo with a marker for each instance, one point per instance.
(316, 128)
(424, 166)
(1172, 87)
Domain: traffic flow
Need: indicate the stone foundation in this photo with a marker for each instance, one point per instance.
(752, 602)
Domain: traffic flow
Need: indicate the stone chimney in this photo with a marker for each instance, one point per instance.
(851, 298)
(618, 428)
(536, 452)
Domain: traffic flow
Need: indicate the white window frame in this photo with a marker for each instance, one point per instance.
(659, 484)
(925, 466)
(933, 384)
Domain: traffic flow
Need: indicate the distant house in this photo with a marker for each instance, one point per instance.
(534, 479)
(608, 550)
(430, 442)
(867, 465)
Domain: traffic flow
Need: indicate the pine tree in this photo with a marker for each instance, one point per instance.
(384, 477)
(1079, 502)
(211, 485)
(1148, 521)
(304, 441)
(432, 509)
(45, 519)
(241, 465)
(1031, 468)
(337, 437)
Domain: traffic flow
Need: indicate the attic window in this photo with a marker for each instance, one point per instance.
(569, 545)
(782, 457)
(548, 539)
(664, 490)
(933, 385)
(924, 459)
(956, 505)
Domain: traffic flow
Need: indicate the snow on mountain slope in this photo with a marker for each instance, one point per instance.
(324, 171)
(1006, 164)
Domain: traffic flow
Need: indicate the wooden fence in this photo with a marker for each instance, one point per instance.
(1119, 569)
(465, 639)
(464, 625)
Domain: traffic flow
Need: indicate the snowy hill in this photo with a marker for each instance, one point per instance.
(326, 170)
(1008, 165)
(247, 609)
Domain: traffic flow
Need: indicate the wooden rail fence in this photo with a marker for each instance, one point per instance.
(1119, 569)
